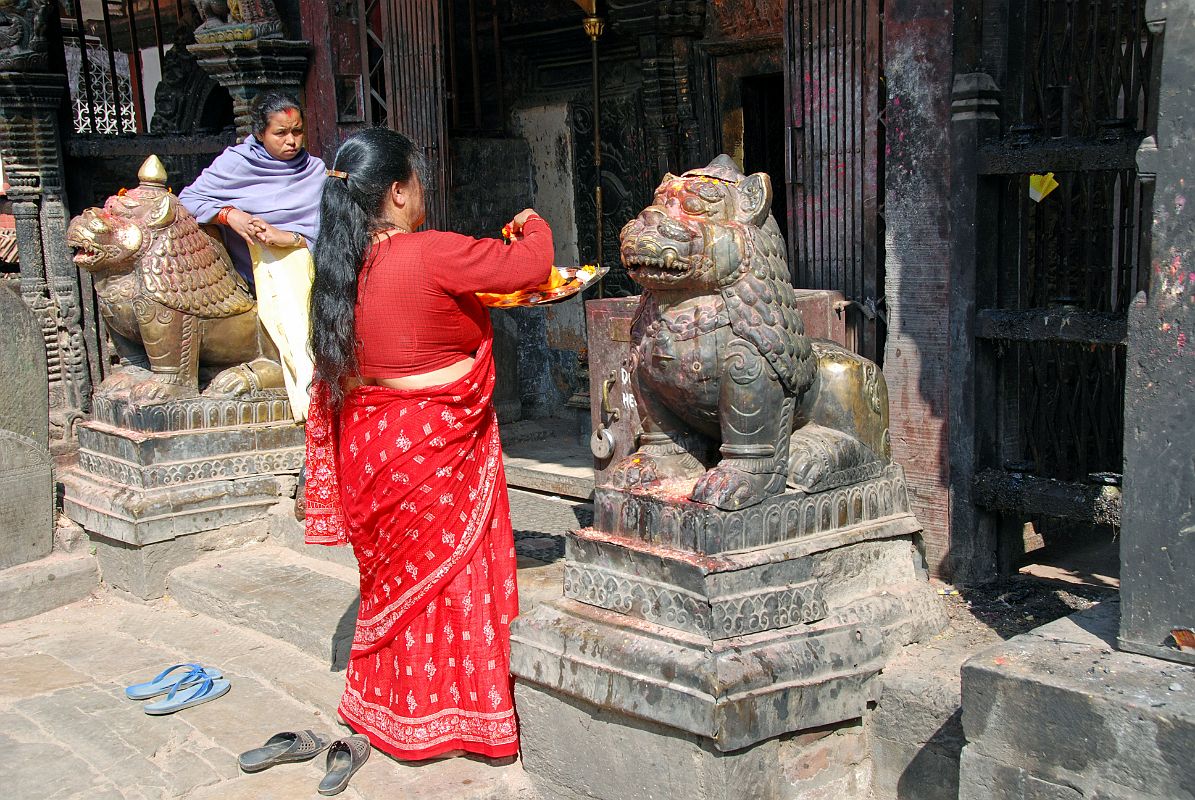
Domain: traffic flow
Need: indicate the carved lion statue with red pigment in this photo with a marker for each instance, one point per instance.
(731, 392)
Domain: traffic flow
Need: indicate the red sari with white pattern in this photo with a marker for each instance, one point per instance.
(414, 481)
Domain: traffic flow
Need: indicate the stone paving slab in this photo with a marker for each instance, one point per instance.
(68, 732)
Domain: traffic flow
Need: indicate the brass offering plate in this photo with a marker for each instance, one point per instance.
(565, 282)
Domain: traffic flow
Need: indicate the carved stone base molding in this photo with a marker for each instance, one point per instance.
(779, 627)
(136, 490)
(245, 68)
(665, 516)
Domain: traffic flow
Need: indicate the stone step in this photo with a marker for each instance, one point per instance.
(47, 583)
(308, 603)
(1061, 712)
(543, 457)
(916, 731)
(540, 521)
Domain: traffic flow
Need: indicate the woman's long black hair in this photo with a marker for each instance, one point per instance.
(350, 213)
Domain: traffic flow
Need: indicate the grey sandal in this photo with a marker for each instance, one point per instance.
(284, 748)
(345, 757)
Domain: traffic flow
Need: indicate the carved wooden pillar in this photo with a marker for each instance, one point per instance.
(666, 31)
(246, 54)
(31, 147)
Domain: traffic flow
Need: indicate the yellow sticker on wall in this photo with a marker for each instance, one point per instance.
(1041, 185)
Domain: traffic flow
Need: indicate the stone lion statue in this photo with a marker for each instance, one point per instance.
(730, 390)
(171, 299)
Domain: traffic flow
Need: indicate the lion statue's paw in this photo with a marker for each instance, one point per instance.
(816, 453)
(233, 382)
(244, 379)
(119, 384)
(730, 487)
(154, 390)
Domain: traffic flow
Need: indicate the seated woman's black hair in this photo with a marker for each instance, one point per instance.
(266, 105)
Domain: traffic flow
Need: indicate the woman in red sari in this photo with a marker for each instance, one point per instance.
(403, 458)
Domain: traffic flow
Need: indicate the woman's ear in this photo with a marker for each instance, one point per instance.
(398, 195)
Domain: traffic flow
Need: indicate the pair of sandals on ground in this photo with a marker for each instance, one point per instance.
(187, 685)
(345, 756)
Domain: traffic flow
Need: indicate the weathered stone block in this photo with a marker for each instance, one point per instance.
(736, 594)
(916, 731)
(988, 779)
(135, 517)
(1062, 706)
(26, 482)
(736, 691)
(142, 569)
(151, 460)
(622, 757)
(24, 402)
(40, 586)
(903, 771)
(26, 500)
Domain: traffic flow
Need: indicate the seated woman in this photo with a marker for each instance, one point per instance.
(264, 196)
(403, 457)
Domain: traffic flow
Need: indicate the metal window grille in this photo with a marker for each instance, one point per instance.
(114, 51)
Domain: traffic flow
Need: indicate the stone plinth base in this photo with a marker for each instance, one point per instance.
(580, 751)
(710, 655)
(667, 517)
(736, 647)
(1059, 713)
(734, 692)
(141, 488)
(152, 499)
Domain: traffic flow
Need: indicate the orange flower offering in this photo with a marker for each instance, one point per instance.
(563, 282)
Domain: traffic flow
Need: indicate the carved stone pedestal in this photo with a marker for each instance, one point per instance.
(156, 484)
(722, 631)
(245, 68)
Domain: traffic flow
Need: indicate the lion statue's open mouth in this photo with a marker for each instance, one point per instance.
(102, 241)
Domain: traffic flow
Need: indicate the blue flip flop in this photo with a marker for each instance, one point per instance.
(168, 679)
(181, 697)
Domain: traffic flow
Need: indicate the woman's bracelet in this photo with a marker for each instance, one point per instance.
(222, 215)
(296, 239)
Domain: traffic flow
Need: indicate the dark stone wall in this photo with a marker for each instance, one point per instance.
(491, 182)
(917, 258)
(99, 167)
(1158, 536)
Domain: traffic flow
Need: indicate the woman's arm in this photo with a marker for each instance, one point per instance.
(464, 265)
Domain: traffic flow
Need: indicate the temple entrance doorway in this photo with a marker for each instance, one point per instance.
(763, 135)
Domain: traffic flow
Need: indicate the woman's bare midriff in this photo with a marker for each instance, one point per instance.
(424, 380)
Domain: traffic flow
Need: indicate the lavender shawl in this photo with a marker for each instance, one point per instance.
(285, 194)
